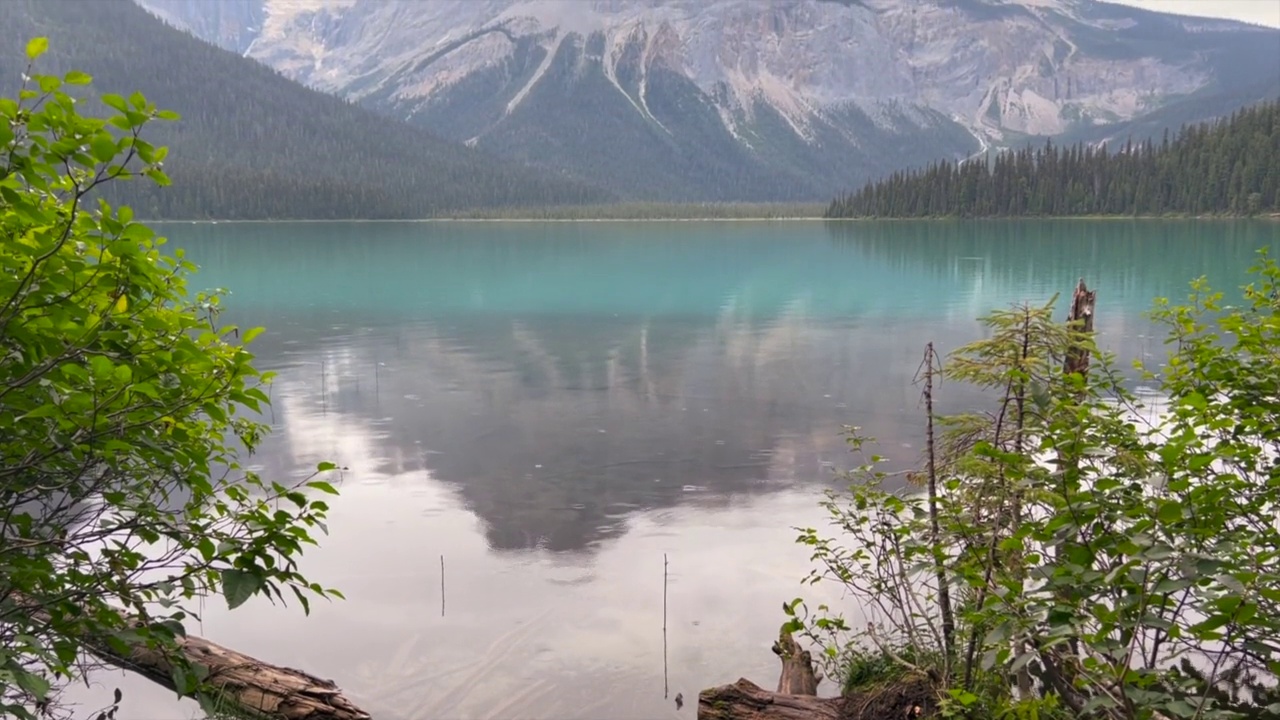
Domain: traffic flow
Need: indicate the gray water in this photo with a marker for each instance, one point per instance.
(555, 407)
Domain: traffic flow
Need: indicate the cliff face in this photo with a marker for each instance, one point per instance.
(741, 99)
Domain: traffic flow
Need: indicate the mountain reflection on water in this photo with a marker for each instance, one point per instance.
(563, 376)
(552, 410)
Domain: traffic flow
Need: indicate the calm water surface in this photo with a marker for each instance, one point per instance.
(554, 407)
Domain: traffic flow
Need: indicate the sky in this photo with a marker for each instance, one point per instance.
(1262, 12)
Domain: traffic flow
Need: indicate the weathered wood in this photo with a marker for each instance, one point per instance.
(252, 686)
(798, 676)
(1080, 322)
(744, 700)
(911, 697)
(1080, 319)
(245, 684)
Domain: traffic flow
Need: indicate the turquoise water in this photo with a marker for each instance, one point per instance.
(912, 270)
(553, 407)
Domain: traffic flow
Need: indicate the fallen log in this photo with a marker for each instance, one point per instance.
(247, 685)
(253, 687)
(910, 698)
(744, 700)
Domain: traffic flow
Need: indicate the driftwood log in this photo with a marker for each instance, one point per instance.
(744, 700)
(796, 698)
(252, 687)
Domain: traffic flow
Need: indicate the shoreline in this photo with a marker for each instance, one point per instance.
(806, 219)
(495, 220)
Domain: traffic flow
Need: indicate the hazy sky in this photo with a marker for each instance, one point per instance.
(1263, 12)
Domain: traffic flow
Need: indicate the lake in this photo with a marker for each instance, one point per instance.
(551, 409)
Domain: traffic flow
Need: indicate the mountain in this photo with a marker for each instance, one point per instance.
(741, 99)
(253, 144)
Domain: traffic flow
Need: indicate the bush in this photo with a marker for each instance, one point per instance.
(1071, 554)
(123, 409)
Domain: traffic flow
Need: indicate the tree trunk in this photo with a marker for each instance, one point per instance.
(1080, 319)
(798, 676)
(1080, 324)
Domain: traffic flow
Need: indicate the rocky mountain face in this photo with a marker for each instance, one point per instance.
(746, 99)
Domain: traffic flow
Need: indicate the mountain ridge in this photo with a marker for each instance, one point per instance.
(252, 144)
(718, 100)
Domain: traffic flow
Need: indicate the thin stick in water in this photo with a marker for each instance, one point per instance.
(324, 406)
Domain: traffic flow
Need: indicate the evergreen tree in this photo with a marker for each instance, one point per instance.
(1227, 167)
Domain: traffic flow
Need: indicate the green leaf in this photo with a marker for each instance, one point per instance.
(238, 586)
(322, 486)
(210, 706)
(181, 680)
(1205, 628)
(250, 334)
(101, 366)
(33, 684)
(37, 47)
(45, 410)
(75, 77)
(1022, 660)
(115, 102)
(173, 627)
(103, 148)
(207, 549)
(138, 231)
(325, 467)
(1170, 512)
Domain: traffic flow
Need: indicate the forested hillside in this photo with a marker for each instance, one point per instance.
(252, 144)
(1230, 167)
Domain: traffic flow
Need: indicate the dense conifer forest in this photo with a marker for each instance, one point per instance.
(252, 144)
(1227, 167)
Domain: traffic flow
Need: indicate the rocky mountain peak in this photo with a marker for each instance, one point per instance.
(794, 96)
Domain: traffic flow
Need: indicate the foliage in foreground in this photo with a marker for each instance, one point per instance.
(1078, 552)
(123, 408)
